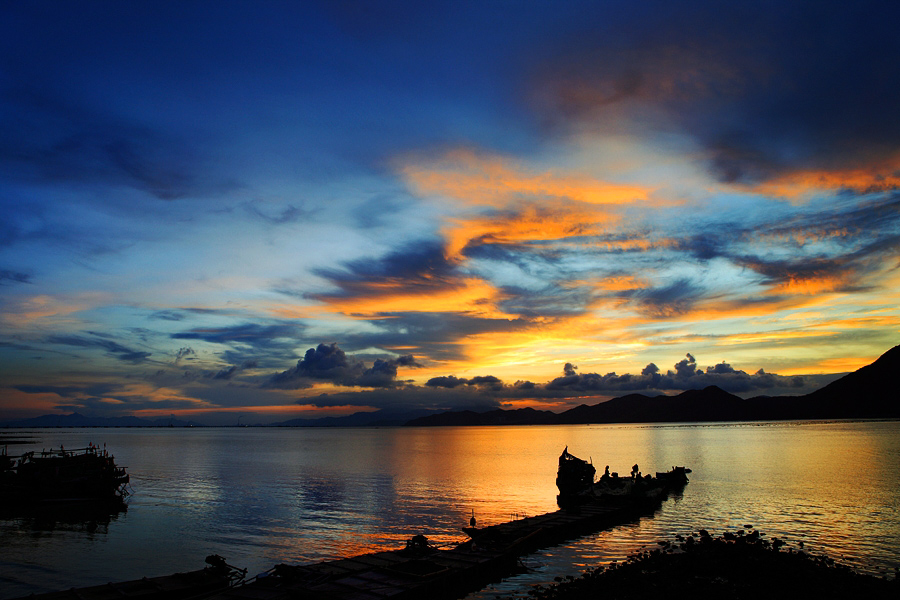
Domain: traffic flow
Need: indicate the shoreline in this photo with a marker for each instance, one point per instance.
(741, 564)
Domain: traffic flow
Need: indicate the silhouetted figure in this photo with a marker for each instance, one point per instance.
(472, 520)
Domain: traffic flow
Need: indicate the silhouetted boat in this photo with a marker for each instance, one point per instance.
(84, 474)
(575, 480)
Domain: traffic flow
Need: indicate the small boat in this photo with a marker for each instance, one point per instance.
(576, 482)
(84, 474)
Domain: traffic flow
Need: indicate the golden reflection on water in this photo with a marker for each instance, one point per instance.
(262, 496)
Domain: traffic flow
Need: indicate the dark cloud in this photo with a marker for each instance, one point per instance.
(667, 301)
(227, 373)
(379, 211)
(112, 348)
(168, 315)
(184, 353)
(479, 381)
(412, 398)
(69, 391)
(650, 369)
(56, 140)
(438, 335)
(416, 268)
(13, 277)
(723, 367)
(686, 367)
(248, 334)
(548, 301)
(446, 381)
(687, 375)
(767, 88)
(182, 313)
(327, 362)
(287, 214)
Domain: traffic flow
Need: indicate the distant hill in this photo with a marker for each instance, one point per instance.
(380, 418)
(78, 420)
(870, 392)
(521, 416)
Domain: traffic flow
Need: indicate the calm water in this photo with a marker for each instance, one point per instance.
(265, 496)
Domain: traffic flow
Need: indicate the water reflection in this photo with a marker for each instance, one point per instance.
(78, 517)
(265, 496)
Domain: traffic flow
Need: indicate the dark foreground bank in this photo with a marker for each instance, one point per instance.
(738, 565)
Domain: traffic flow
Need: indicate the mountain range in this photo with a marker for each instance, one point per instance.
(868, 393)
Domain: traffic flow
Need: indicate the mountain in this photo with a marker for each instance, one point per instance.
(521, 416)
(379, 418)
(78, 420)
(869, 392)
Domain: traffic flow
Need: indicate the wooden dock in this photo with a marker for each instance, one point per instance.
(417, 572)
(430, 573)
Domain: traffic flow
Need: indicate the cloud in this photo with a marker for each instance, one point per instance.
(288, 214)
(687, 367)
(112, 348)
(499, 182)
(13, 277)
(247, 334)
(479, 381)
(437, 334)
(416, 268)
(57, 140)
(183, 353)
(765, 89)
(327, 362)
(675, 299)
(687, 375)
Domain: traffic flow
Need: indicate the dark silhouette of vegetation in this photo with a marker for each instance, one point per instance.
(739, 565)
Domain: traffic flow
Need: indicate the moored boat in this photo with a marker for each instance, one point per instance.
(576, 482)
(62, 476)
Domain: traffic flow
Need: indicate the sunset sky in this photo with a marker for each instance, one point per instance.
(273, 210)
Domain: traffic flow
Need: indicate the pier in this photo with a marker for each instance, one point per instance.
(420, 570)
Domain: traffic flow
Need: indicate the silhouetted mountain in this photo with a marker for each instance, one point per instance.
(379, 418)
(869, 392)
(709, 404)
(78, 420)
(521, 416)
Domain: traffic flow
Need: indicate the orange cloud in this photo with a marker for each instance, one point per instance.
(43, 307)
(810, 285)
(881, 175)
(531, 224)
(493, 181)
(469, 295)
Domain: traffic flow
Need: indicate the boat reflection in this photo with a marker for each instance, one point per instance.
(88, 517)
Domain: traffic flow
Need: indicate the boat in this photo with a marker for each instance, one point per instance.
(55, 476)
(577, 485)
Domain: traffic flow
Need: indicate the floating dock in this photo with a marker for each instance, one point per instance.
(419, 571)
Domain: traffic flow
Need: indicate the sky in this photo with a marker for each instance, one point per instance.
(271, 210)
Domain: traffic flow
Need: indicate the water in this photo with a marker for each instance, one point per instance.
(265, 496)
